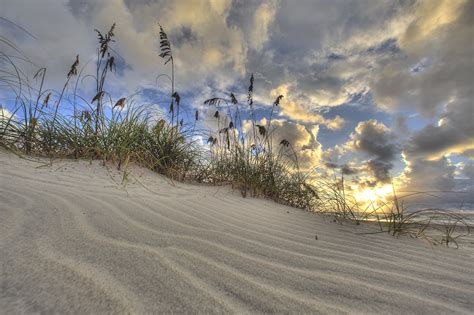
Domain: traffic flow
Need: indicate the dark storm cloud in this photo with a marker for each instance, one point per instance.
(467, 170)
(438, 178)
(349, 170)
(183, 35)
(306, 46)
(454, 133)
(378, 142)
(345, 169)
(327, 21)
(82, 9)
(331, 165)
(431, 175)
(400, 124)
(388, 46)
(380, 169)
(374, 138)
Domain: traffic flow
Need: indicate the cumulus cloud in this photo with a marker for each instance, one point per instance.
(207, 48)
(304, 141)
(328, 65)
(435, 39)
(438, 183)
(52, 47)
(374, 138)
(430, 175)
(297, 111)
(468, 170)
(262, 20)
(376, 141)
(454, 133)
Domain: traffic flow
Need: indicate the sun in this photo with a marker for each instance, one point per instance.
(373, 195)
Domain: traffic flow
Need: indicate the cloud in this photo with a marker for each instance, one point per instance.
(215, 51)
(430, 17)
(351, 169)
(304, 141)
(400, 124)
(334, 154)
(374, 138)
(430, 175)
(328, 65)
(465, 170)
(437, 37)
(376, 141)
(5, 114)
(454, 133)
(255, 18)
(54, 47)
(437, 183)
(296, 111)
(262, 20)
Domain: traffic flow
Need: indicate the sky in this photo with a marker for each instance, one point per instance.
(381, 91)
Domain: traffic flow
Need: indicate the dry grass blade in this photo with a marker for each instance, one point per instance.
(285, 143)
(277, 100)
(250, 95)
(177, 98)
(233, 100)
(120, 103)
(46, 100)
(262, 130)
(105, 40)
(73, 69)
(165, 46)
(98, 97)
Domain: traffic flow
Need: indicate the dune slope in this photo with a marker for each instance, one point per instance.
(73, 240)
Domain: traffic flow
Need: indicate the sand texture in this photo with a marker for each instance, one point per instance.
(73, 240)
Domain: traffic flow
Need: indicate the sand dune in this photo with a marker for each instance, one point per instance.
(73, 240)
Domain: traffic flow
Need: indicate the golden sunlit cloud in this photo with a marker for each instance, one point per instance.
(303, 141)
(430, 16)
(296, 111)
(452, 150)
(263, 18)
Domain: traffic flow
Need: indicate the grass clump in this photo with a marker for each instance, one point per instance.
(243, 154)
(63, 124)
(436, 226)
(392, 216)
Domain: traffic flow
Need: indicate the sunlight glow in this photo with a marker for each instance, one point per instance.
(374, 195)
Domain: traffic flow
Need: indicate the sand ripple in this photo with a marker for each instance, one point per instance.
(73, 240)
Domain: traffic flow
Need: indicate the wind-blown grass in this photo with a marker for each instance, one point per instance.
(242, 153)
(393, 216)
(111, 131)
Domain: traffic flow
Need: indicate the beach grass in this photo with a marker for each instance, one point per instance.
(240, 152)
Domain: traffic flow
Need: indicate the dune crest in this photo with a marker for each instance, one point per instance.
(73, 240)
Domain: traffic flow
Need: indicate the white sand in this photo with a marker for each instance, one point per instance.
(72, 241)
